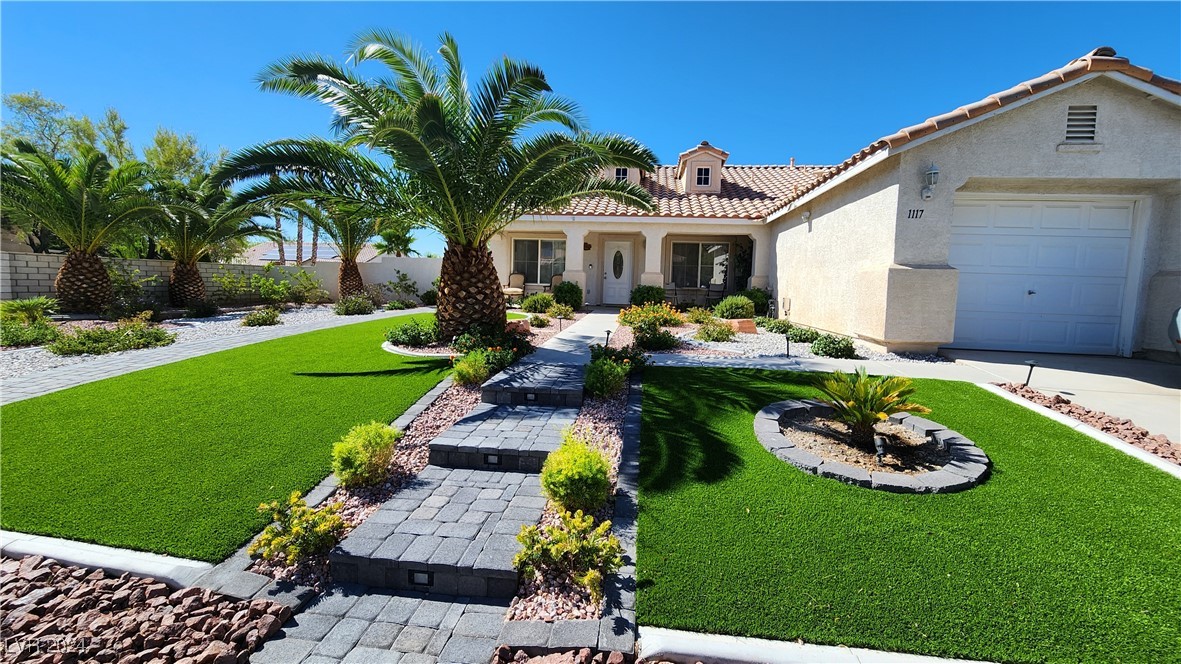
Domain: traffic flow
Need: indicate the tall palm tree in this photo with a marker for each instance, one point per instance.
(85, 202)
(396, 242)
(464, 162)
(196, 219)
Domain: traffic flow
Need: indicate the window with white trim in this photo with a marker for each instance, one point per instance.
(699, 264)
(539, 260)
(1081, 122)
(703, 176)
(621, 175)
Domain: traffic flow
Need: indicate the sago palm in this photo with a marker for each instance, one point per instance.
(465, 162)
(198, 217)
(85, 202)
(861, 401)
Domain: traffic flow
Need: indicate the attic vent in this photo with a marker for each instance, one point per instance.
(1080, 124)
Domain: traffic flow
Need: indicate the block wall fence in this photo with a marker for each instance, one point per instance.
(29, 275)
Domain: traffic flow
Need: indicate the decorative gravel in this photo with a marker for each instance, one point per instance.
(505, 655)
(599, 423)
(540, 335)
(358, 503)
(22, 361)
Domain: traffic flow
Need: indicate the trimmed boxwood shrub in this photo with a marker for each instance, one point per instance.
(760, 297)
(605, 377)
(830, 345)
(415, 333)
(644, 294)
(575, 476)
(569, 294)
(802, 335)
(262, 318)
(362, 456)
(537, 303)
(774, 325)
(561, 311)
(357, 305)
(735, 306)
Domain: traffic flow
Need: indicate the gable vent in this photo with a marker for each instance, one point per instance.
(1080, 124)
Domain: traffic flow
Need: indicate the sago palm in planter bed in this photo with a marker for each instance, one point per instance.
(861, 401)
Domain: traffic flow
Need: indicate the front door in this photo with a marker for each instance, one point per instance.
(617, 272)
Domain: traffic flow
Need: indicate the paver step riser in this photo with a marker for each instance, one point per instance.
(501, 460)
(394, 575)
(525, 398)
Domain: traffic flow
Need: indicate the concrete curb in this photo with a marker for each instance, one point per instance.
(661, 644)
(390, 348)
(1107, 439)
(176, 572)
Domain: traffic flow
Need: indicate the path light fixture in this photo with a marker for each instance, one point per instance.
(879, 443)
(1032, 364)
(930, 179)
(608, 341)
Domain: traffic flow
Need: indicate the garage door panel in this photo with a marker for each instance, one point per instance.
(1041, 276)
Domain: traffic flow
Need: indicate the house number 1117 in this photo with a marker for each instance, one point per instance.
(914, 214)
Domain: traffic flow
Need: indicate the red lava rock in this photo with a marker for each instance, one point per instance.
(583, 656)
(615, 658)
(268, 625)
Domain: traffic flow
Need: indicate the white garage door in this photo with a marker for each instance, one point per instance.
(1042, 276)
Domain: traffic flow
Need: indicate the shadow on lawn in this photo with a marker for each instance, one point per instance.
(406, 369)
(686, 437)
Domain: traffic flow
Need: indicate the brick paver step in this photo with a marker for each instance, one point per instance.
(536, 385)
(504, 438)
(452, 531)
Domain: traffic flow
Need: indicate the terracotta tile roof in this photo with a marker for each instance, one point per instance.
(1102, 59)
(748, 192)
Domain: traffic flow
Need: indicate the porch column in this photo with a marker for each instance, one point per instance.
(575, 257)
(653, 243)
(760, 259)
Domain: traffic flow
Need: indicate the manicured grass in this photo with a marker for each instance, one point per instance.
(1070, 552)
(175, 459)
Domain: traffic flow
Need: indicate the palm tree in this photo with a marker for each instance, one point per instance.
(85, 202)
(197, 218)
(396, 242)
(465, 163)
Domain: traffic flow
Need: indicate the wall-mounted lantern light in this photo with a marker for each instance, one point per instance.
(805, 216)
(930, 179)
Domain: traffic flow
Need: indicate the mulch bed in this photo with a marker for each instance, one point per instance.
(61, 613)
(906, 452)
(1121, 428)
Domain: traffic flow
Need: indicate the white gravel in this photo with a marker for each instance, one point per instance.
(767, 344)
(24, 361)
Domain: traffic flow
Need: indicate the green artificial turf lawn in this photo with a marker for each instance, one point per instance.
(1071, 551)
(175, 459)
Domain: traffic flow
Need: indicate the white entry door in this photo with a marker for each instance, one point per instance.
(617, 272)
(1045, 276)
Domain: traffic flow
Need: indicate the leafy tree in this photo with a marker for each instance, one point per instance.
(465, 162)
(85, 202)
(175, 156)
(38, 121)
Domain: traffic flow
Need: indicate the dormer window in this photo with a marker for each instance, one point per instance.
(621, 175)
(703, 176)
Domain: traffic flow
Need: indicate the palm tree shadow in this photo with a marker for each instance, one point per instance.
(409, 369)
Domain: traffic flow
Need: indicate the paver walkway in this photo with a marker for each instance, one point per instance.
(60, 378)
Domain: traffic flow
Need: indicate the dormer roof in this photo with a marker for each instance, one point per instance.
(701, 148)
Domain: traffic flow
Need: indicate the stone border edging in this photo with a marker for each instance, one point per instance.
(969, 465)
(1084, 428)
(176, 572)
(390, 348)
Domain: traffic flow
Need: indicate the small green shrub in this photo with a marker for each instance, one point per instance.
(472, 369)
(415, 333)
(650, 336)
(662, 313)
(776, 325)
(429, 297)
(606, 377)
(735, 306)
(537, 320)
(402, 286)
(699, 315)
(298, 531)
(561, 311)
(715, 330)
(576, 476)
(128, 334)
(575, 547)
(270, 290)
(537, 303)
(830, 345)
(362, 456)
(38, 333)
(129, 292)
(206, 308)
(231, 286)
(644, 294)
(28, 310)
(400, 305)
(802, 335)
(631, 355)
(357, 305)
(484, 337)
(569, 294)
(307, 288)
(760, 297)
(262, 318)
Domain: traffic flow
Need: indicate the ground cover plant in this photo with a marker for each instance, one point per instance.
(176, 458)
(1069, 552)
(262, 318)
(128, 334)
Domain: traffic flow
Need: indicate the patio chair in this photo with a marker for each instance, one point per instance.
(553, 283)
(670, 294)
(516, 285)
(715, 294)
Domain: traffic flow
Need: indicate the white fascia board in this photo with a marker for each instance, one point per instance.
(860, 167)
(638, 221)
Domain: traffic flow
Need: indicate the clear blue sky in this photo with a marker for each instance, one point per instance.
(765, 81)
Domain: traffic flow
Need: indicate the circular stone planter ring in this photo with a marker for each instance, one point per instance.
(968, 467)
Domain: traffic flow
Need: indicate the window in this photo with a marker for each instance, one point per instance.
(703, 176)
(621, 175)
(539, 260)
(1080, 124)
(699, 264)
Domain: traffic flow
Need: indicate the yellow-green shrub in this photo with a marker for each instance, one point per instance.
(715, 330)
(575, 476)
(362, 456)
(662, 314)
(472, 369)
(298, 532)
(575, 547)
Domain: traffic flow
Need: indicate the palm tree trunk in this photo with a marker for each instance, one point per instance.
(349, 278)
(280, 243)
(82, 284)
(299, 240)
(185, 284)
(315, 244)
(469, 291)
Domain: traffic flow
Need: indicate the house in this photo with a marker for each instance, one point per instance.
(1046, 217)
(268, 252)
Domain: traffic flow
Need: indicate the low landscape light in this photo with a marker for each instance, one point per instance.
(1032, 364)
(879, 443)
